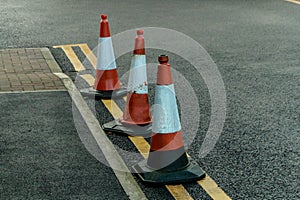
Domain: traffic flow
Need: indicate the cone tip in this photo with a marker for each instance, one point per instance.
(163, 59)
(103, 16)
(140, 32)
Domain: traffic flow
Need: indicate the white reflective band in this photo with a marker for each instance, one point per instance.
(105, 56)
(165, 115)
(138, 75)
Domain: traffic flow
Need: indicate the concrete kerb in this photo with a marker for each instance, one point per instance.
(50, 61)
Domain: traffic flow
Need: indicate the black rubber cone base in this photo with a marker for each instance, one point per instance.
(126, 129)
(192, 172)
(96, 94)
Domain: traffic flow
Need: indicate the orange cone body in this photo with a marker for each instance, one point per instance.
(137, 109)
(167, 162)
(166, 143)
(136, 119)
(106, 70)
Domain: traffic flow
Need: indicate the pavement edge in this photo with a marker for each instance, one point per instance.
(50, 60)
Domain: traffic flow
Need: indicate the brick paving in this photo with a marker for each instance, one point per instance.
(26, 70)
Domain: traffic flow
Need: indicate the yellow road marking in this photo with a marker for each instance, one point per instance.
(89, 54)
(85, 49)
(72, 57)
(88, 78)
(141, 144)
(68, 45)
(212, 189)
(293, 1)
(177, 191)
(113, 108)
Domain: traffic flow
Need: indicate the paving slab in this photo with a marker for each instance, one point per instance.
(27, 69)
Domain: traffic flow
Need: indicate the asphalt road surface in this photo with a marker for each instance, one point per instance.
(255, 45)
(42, 156)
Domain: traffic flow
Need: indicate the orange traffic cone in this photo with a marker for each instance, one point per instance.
(168, 162)
(106, 82)
(136, 118)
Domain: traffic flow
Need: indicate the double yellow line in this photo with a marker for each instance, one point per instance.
(177, 191)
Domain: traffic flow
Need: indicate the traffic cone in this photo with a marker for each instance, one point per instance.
(136, 118)
(167, 162)
(106, 83)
